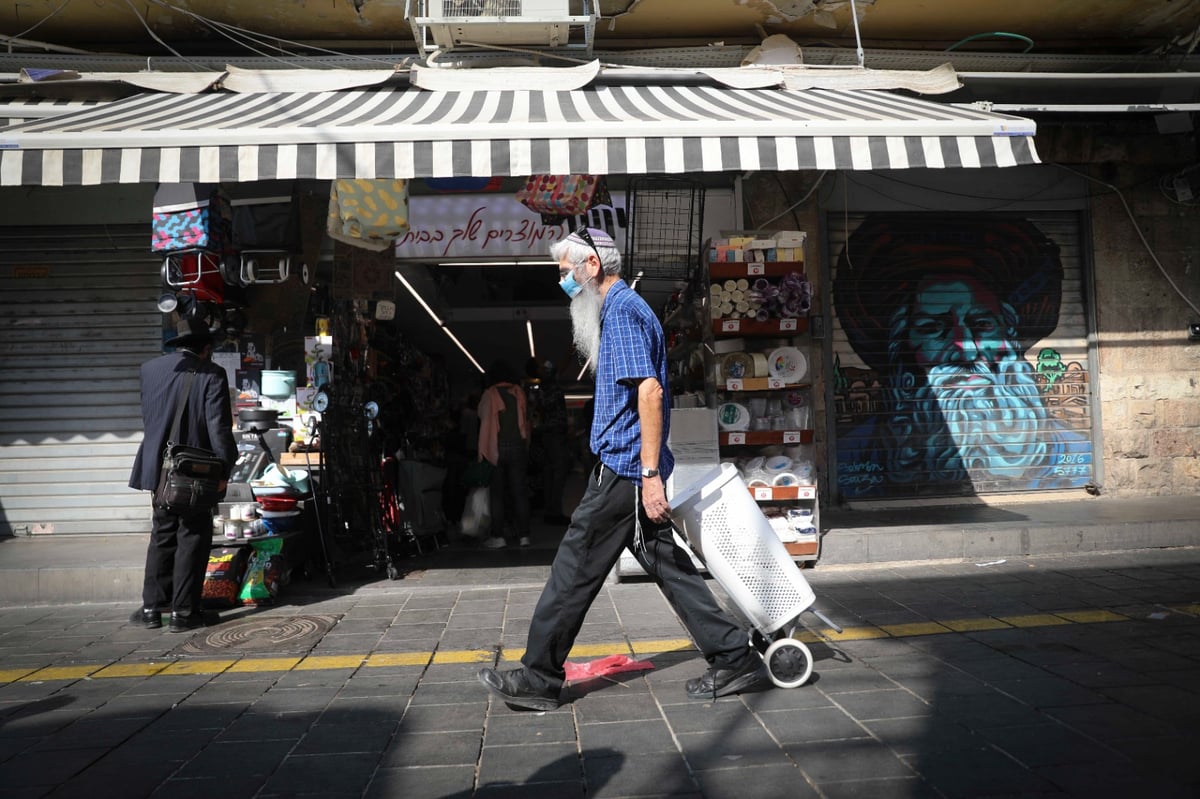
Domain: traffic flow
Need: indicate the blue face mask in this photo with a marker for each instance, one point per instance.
(570, 285)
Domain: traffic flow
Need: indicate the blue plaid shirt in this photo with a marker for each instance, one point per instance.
(631, 348)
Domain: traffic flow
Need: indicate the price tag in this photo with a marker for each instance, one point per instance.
(762, 492)
(733, 384)
(731, 325)
(806, 492)
(737, 438)
(787, 324)
(791, 436)
(755, 269)
(776, 382)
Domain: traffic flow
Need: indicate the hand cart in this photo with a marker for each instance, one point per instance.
(720, 521)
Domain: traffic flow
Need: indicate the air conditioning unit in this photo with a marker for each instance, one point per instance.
(455, 24)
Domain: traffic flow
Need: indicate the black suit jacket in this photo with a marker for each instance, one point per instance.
(207, 422)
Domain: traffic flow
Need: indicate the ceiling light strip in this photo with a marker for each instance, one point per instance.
(437, 319)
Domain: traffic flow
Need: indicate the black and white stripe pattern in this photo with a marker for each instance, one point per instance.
(413, 133)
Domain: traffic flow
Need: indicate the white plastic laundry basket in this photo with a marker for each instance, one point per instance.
(725, 527)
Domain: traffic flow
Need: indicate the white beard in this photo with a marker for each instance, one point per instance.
(585, 325)
(996, 424)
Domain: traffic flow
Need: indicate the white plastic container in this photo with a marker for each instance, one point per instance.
(724, 526)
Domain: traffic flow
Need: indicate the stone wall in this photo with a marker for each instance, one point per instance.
(1149, 386)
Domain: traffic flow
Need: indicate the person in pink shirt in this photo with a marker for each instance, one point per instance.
(504, 443)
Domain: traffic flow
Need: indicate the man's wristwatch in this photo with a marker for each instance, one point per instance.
(649, 472)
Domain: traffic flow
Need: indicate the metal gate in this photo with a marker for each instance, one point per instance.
(77, 318)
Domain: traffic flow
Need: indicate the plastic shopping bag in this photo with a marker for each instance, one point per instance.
(477, 514)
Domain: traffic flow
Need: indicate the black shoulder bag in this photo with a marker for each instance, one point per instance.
(191, 476)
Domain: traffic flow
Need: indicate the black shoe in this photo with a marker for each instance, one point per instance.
(514, 688)
(752, 676)
(182, 622)
(146, 617)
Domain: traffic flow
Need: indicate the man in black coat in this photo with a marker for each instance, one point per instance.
(177, 556)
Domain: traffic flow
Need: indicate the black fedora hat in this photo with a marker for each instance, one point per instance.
(191, 332)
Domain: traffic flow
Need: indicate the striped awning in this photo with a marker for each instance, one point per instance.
(412, 133)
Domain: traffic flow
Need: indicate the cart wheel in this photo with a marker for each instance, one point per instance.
(788, 662)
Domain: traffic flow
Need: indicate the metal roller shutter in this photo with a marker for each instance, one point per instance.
(960, 354)
(77, 318)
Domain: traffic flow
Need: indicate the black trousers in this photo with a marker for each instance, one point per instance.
(600, 528)
(176, 560)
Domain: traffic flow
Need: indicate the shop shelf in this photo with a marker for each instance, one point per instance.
(753, 327)
(764, 438)
(772, 493)
(761, 384)
(723, 270)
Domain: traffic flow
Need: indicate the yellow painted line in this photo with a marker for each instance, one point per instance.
(597, 650)
(131, 670)
(465, 656)
(1034, 620)
(260, 665)
(198, 666)
(854, 634)
(914, 628)
(663, 645)
(61, 673)
(582, 651)
(1093, 616)
(315, 662)
(398, 659)
(975, 625)
(1191, 610)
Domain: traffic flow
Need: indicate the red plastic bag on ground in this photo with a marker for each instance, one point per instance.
(605, 666)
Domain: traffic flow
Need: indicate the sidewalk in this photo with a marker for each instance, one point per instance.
(49, 569)
(1053, 676)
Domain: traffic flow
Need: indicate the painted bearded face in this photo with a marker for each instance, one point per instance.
(966, 402)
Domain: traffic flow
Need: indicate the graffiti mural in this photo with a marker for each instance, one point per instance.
(956, 368)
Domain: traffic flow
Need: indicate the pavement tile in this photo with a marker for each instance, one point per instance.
(611, 706)
(760, 782)
(261, 726)
(229, 787)
(919, 734)
(445, 718)
(972, 773)
(816, 724)
(551, 762)
(853, 678)
(366, 736)
(88, 732)
(432, 749)
(350, 709)
(326, 774)
(707, 716)
(742, 747)
(887, 704)
(236, 758)
(1049, 691)
(1110, 722)
(1103, 781)
(510, 728)
(803, 697)
(48, 767)
(540, 790)
(645, 737)
(1047, 744)
(838, 761)
(894, 788)
(426, 782)
(610, 774)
